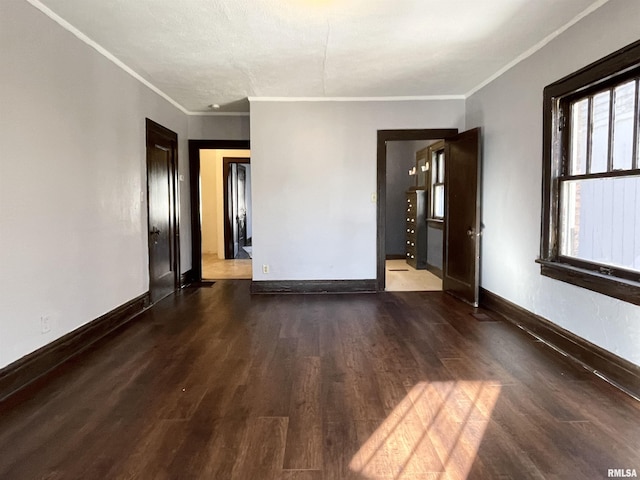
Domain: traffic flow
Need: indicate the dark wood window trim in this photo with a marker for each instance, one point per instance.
(597, 282)
(617, 283)
(436, 223)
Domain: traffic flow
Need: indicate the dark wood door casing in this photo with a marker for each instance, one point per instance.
(162, 210)
(462, 226)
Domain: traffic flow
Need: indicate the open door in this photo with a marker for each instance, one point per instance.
(461, 272)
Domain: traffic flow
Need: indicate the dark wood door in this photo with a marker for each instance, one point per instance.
(461, 271)
(161, 170)
(230, 198)
(242, 205)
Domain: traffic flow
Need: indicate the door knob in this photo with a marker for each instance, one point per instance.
(155, 231)
(472, 232)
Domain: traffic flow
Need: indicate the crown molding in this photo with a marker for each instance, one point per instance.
(218, 114)
(358, 99)
(538, 46)
(103, 51)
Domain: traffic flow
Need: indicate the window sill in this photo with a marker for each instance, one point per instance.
(619, 288)
(436, 223)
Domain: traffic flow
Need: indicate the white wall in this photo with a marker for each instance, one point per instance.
(209, 194)
(313, 174)
(219, 127)
(510, 111)
(73, 239)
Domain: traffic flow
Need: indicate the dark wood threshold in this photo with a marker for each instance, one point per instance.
(314, 286)
(186, 278)
(35, 365)
(399, 256)
(614, 369)
(435, 270)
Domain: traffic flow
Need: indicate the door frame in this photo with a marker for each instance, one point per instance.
(385, 136)
(194, 196)
(154, 128)
(228, 220)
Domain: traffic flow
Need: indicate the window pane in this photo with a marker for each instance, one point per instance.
(600, 132)
(579, 134)
(624, 98)
(440, 167)
(600, 221)
(438, 201)
(434, 168)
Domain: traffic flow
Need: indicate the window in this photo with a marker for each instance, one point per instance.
(436, 211)
(591, 202)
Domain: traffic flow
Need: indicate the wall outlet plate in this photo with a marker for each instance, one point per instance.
(45, 324)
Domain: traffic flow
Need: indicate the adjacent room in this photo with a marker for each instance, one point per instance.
(225, 213)
(415, 190)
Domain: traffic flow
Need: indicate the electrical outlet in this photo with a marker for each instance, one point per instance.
(265, 268)
(45, 324)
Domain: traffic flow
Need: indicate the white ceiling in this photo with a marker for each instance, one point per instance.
(203, 52)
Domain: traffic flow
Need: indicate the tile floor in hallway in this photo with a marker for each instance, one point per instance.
(402, 277)
(214, 268)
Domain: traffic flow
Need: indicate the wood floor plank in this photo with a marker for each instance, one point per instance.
(261, 451)
(340, 446)
(304, 434)
(217, 383)
(269, 383)
(302, 475)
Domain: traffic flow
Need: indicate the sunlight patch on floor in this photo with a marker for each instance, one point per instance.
(435, 432)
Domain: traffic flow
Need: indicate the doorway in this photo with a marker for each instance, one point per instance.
(162, 198)
(413, 236)
(208, 182)
(459, 207)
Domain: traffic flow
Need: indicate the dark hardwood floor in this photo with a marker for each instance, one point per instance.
(214, 383)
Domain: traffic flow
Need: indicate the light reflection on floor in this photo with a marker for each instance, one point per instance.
(435, 432)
